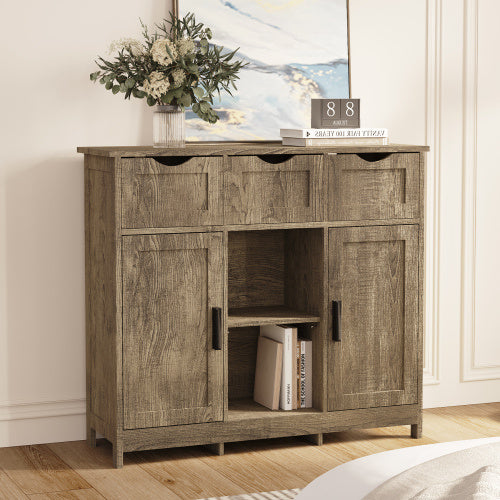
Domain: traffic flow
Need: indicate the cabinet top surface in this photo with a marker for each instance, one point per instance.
(242, 148)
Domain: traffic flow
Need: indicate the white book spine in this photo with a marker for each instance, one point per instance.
(332, 142)
(283, 335)
(333, 133)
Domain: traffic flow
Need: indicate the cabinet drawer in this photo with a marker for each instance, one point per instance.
(374, 186)
(273, 188)
(171, 191)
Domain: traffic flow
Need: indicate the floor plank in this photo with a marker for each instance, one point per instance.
(37, 469)
(9, 489)
(182, 471)
(96, 466)
(253, 470)
(87, 494)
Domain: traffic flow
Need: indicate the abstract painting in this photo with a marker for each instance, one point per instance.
(296, 50)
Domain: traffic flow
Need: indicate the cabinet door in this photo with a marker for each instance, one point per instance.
(171, 373)
(373, 271)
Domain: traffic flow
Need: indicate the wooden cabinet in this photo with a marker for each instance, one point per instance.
(189, 251)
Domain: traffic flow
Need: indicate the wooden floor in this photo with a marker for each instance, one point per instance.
(73, 470)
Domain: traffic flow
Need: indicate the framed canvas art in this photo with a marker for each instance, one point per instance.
(296, 50)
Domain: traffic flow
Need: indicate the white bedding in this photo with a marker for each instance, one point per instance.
(356, 479)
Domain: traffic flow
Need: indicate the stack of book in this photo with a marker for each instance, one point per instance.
(283, 372)
(333, 136)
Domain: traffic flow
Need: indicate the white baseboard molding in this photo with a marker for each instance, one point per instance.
(41, 422)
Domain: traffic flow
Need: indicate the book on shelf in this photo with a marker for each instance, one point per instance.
(305, 374)
(268, 373)
(354, 141)
(333, 133)
(287, 335)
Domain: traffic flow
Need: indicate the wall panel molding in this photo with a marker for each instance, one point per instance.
(472, 369)
(433, 204)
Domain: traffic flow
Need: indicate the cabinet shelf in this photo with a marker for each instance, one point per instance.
(265, 315)
(244, 409)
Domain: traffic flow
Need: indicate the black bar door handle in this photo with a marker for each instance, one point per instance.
(216, 328)
(336, 320)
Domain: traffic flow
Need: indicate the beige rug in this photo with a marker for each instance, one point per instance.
(265, 495)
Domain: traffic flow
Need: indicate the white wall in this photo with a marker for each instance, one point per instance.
(408, 68)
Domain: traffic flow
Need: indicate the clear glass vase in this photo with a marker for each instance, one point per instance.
(169, 127)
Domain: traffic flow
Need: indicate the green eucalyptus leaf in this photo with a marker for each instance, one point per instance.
(151, 101)
(129, 83)
(178, 93)
(122, 87)
(186, 100)
(195, 107)
(198, 92)
(102, 80)
(109, 85)
(204, 106)
(115, 89)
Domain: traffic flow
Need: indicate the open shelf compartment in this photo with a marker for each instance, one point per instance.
(274, 277)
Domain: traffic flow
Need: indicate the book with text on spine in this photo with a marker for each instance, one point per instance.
(333, 133)
(359, 141)
(305, 373)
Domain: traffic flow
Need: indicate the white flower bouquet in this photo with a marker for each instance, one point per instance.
(177, 65)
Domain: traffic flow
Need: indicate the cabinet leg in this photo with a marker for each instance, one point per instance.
(416, 430)
(91, 437)
(118, 455)
(316, 439)
(216, 448)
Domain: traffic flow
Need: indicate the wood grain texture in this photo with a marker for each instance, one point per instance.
(87, 494)
(257, 191)
(374, 272)
(9, 490)
(256, 269)
(268, 424)
(272, 226)
(102, 295)
(185, 473)
(37, 469)
(242, 357)
(157, 195)
(95, 466)
(171, 373)
(385, 189)
(261, 465)
(242, 148)
(256, 316)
